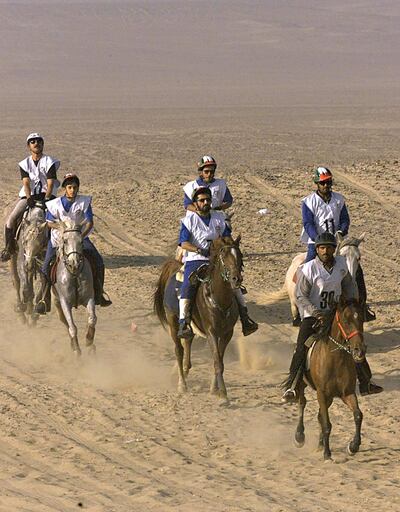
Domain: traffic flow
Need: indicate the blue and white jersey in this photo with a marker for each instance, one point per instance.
(324, 288)
(199, 231)
(38, 174)
(60, 209)
(219, 191)
(319, 216)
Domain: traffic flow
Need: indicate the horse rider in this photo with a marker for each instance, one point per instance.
(320, 282)
(39, 182)
(198, 229)
(220, 193)
(71, 206)
(325, 210)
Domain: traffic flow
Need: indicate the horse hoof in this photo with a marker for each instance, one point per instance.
(299, 440)
(92, 350)
(352, 448)
(77, 354)
(182, 390)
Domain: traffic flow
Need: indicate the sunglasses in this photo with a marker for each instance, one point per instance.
(327, 183)
(33, 141)
(203, 200)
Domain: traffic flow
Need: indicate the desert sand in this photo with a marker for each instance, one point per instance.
(129, 95)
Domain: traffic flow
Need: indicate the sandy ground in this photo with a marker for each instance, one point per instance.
(111, 433)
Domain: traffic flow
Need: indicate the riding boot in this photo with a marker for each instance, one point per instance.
(364, 375)
(9, 248)
(100, 297)
(295, 374)
(248, 325)
(43, 305)
(185, 331)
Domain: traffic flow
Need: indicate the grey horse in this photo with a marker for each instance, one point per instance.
(25, 263)
(73, 285)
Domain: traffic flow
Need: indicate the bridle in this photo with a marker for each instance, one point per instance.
(347, 337)
(65, 256)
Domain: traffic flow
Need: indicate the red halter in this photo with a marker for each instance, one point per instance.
(347, 337)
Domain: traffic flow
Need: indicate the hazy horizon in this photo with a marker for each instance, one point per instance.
(184, 53)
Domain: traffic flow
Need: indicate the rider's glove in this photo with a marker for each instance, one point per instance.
(30, 202)
(203, 252)
(320, 319)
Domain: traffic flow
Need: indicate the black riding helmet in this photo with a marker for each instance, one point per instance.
(325, 239)
(69, 179)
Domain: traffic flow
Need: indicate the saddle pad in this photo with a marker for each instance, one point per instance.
(312, 342)
(179, 274)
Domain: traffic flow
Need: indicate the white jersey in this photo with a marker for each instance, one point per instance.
(76, 213)
(217, 187)
(326, 215)
(38, 174)
(201, 234)
(326, 287)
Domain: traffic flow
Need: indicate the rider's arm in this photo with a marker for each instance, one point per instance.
(51, 176)
(184, 239)
(226, 202)
(302, 293)
(344, 221)
(26, 182)
(349, 288)
(51, 220)
(308, 221)
(88, 221)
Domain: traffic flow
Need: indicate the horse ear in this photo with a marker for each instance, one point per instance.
(237, 241)
(339, 237)
(42, 225)
(361, 238)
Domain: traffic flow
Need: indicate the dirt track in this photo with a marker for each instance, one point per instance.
(111, 433)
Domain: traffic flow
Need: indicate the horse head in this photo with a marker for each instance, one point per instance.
(33, 234)
(226, 256)
(70, 249)
(347, 329)
(349, 249)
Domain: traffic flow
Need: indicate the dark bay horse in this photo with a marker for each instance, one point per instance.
(333, 374)
(214, 313)
(25, 263)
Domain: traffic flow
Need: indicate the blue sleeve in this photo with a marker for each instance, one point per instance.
(89, 214)
(308, 222)
(227, 231)
(184, 234)
(228, 196)
(187, 201)
(344, 221)
(50, 216)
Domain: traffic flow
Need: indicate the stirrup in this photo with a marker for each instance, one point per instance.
(5, 255)
(40, 307)
(249, 326)
(105, 300)
(185, 331)
(370, 389)
(369, 315)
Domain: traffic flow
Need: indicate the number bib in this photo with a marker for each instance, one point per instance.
(326, 287)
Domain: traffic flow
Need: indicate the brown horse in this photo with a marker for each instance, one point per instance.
(332, 373)
(214, 311)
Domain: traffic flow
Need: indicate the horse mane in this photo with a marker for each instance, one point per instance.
(349, 241)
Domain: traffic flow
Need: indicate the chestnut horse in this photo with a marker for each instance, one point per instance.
(332, 372)
(214, 311)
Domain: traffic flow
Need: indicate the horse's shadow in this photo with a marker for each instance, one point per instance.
(123, 261)
(382, 340)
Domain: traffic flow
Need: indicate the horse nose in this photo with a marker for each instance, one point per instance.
(236, 279)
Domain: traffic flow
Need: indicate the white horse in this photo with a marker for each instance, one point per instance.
(347, 247)
(74, 283)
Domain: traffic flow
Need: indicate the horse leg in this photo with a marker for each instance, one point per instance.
(91, 329)
(217, 382)
(326, 427)
(299, 435)
(19, 306)
(179, 351)
(72, 329)
(352, 402)
(187, 351)
(60, 313)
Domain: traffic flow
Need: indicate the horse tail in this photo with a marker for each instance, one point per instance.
(167, 270)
